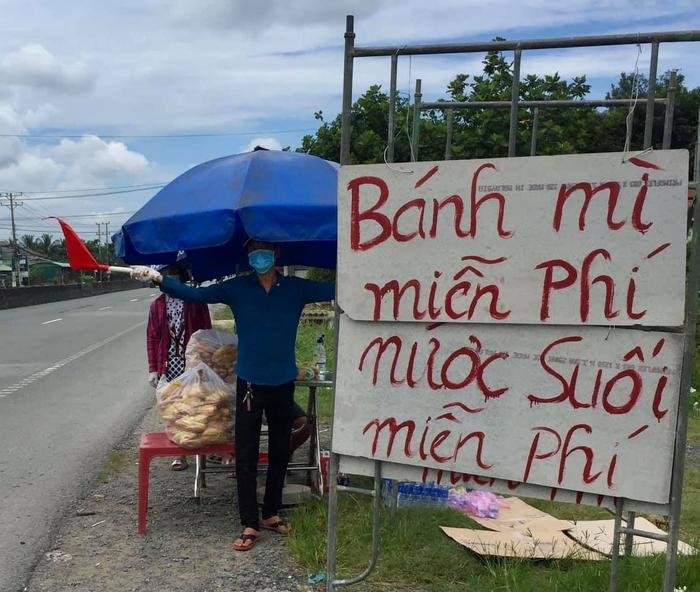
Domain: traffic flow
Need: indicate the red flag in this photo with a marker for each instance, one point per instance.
(79, 257)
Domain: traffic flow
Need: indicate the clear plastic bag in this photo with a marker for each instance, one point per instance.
(217, 349)
(196, 407)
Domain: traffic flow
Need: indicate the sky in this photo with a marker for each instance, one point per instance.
(99, 97)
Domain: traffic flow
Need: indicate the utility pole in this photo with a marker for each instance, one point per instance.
(9, 200)
(107, 242)
(99, 245)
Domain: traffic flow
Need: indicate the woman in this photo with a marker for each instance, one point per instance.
(171, 323)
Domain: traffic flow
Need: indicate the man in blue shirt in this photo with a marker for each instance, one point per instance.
(267, 307)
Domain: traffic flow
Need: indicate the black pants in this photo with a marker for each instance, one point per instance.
(278, 404)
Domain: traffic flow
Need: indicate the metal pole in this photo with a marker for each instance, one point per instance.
(392, 107)
(574, 104)
(691, 302)
(515, 95)
(376, 507)
(535, 126)
(415, 136)
(615, 557)
(347, 90)
(629, 536)
(554, 43)
(332, 520)
(670, 106)
(651, 91)
(449, 119)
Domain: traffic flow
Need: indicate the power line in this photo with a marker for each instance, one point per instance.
(154, 183)
(70, 216)
(84, 195)
(164, 136)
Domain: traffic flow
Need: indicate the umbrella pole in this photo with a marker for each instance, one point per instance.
(115, 269)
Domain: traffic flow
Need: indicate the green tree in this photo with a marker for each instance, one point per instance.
(612, 123)
(28, 241)
(484, 133)
(46, 245)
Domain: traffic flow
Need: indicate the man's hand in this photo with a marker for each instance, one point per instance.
(146, 274)
(153, 379)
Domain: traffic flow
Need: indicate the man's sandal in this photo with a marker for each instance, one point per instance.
(279, 526)
(244, 545)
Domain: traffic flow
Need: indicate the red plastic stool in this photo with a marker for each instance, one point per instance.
(157, 444)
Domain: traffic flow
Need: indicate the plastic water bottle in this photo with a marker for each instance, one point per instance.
(402, 495)
(419, 495)
(443, 496)
(434, 495)
(320, 354)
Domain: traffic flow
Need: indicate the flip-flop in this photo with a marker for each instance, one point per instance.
(243, 537)
(279, 526)
(179, 465)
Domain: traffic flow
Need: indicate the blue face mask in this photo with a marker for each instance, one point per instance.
(261, 260)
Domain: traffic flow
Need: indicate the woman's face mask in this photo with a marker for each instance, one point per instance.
(261, 260)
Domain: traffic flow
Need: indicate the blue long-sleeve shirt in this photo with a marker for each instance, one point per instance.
(266, 321)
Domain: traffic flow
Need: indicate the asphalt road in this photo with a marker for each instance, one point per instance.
(72, 383)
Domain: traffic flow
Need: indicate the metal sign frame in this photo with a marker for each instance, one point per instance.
(692, 282)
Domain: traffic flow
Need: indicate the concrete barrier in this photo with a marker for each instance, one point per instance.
(15, 297)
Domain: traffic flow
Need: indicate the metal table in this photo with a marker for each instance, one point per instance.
(312, 464)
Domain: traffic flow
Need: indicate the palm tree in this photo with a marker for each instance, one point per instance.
(28, 241)
(61, 249)
(46, 244)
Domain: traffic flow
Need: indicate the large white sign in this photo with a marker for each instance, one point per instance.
(588, 409)
(585, 239)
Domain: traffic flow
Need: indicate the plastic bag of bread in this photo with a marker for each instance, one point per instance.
(196, 407)
(217, 349)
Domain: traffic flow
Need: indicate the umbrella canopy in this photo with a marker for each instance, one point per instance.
(210, 211)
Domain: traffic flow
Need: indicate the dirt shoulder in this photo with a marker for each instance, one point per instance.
(187, 547)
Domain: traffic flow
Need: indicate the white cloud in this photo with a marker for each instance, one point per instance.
(269, 143)
(34, 66)
(92, 158)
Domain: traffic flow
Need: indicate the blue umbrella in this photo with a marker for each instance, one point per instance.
(210, 211)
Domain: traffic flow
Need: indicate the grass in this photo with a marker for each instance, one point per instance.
(223, 313)
(416, 555)
(117, 461)
(694, 428)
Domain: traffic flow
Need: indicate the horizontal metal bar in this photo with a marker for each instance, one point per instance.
(359, 490)
(645, 534)
(555, 43)
(445, 105)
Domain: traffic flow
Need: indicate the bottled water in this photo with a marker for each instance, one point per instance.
(320, 354)
(424, 495)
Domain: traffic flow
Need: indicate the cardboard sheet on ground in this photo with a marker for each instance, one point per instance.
(598, 535)
(512, 543)
(518, 515)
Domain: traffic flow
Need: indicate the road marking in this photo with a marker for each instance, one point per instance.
(49, 322)
(8, 390)
(152, 295)
(104, 308)
(134, 300)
